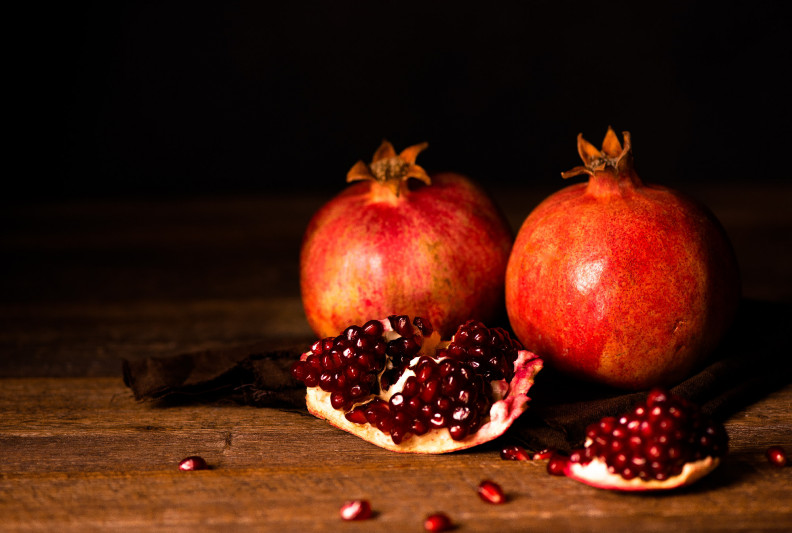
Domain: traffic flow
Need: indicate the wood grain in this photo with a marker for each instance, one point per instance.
(81, 454)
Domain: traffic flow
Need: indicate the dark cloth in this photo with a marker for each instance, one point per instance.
(751, 362)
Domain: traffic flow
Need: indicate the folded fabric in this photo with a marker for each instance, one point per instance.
(749, 364)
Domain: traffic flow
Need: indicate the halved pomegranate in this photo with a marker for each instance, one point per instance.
(395, 384)
(662, 444)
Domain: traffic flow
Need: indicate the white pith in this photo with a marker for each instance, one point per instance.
(510, 400)
(596, 474)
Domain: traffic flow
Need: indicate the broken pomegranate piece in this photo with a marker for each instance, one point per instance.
(662, 444)
(395, 384)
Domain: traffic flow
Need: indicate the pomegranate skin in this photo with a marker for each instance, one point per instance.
(437, 251)
(621, 283)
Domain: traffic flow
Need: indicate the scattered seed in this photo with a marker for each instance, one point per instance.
(514, 453)
(356, 510)
(194, 462)
(776, 455)
(491, 492)
(437, 522)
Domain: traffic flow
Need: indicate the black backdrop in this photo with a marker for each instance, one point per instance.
(167, 98)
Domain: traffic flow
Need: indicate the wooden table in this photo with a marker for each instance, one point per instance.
(85, 284)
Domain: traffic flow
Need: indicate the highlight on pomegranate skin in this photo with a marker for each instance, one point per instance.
(663, 443)
(394, 383)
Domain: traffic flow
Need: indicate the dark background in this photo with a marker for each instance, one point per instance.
(168, 98)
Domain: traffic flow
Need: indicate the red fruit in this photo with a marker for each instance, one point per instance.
(662, 444)
(776, 455)
(491, 492)
(435, 248)
(622, 283)
(437, 522)
(356, 510)
(418, 394)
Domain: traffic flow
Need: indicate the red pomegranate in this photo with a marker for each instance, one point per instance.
(618, 282)
(433, 247)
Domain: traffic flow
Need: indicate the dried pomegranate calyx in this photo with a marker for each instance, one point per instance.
(390, 170)
(613, 159)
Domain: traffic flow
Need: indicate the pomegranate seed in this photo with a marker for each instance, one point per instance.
(514, 453)
(356, 510)
(437, 522)
(776, 455)
(491, 492)
(194, 462)
(556, 465)
(543, 454)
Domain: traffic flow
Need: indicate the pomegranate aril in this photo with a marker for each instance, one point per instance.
(777, 456)
(401, 325)
(423, 325)
(437, 522)
(356, 510)
(357, 415)
(437, 421)
(429, 390)
(337, 400)
(194, 462)
(419, 427)
(458, 431)
(543, 454)
(491, 492)
(556, 465)
(514, 453)
(411, 387)
(373, 328)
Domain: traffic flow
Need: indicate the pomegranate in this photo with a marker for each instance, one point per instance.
(663, 443)
(395, 384)
(618, 282)
(433, 247)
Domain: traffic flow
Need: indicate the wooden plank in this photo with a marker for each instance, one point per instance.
(81, 454)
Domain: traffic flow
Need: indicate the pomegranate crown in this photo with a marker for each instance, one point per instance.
(612, 158)
(389, 169)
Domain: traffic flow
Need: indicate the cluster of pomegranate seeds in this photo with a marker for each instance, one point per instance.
(491, 492)
(346, 366)
(194, 462)
(490, 352)
(356, 510)
(655, 440)
(450, 390)
(776, 455)
(437, 522)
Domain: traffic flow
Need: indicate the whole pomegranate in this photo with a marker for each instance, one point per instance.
(618, 282)
(433, 247)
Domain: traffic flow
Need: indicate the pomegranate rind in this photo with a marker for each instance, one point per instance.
(595, 474)
(502, 414)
